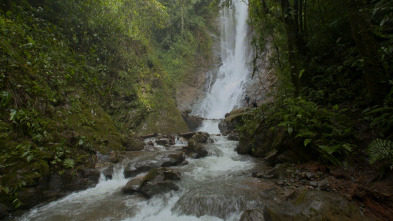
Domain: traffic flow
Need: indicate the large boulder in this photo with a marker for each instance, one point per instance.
(133, 143)
(232, 120)
(144, 161)
(195, 149)
(243, 146)
(275, 146)
(201, 137)
(193, 122)
(156, 181)
(133, 185)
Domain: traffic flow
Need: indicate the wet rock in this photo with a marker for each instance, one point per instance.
(3, 211)
(108, 172)
(201, 137)
(149, 136)
(193, 122)
(243, 147)
(156, 181)
(133, 186)
(233, 136)
(195, 149)
(171, 175)
(231, 120)
(131, 171)
(224, 198)
(165, 140)
(144, 161)
(173, 159)
(313, 205)
(159, 180)
(187, 135)
(252, 215)
(133, 144)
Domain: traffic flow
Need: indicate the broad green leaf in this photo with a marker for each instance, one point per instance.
(306, 142)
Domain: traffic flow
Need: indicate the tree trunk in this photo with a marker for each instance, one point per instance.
(291, 41)
(368, 47)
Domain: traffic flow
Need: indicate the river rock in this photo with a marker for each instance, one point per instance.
(144, 161)
(193, 122)
(133, 185)
(252, 215)
(233, 136)
(232, 120)
(243, 146)
(133, 143)
(159, 180)
(108, 172)
(187, 135)
(165, 140)
(156, 181)
(201, 137)
(195, 149)
(313, 205)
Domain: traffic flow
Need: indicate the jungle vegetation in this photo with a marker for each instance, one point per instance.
(333, 61)
(79, 77)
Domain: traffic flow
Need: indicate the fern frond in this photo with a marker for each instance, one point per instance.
(380, 150)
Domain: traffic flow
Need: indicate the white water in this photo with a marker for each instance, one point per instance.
(227, 92)
(207, 190)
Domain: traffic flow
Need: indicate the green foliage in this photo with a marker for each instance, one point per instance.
(186, 43)
(325, 131)
(381, 150)
(381, 119)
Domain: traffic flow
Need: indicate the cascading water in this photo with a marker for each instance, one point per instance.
(227, 90)
(211, 188)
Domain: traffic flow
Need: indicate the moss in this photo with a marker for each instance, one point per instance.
(150, 175)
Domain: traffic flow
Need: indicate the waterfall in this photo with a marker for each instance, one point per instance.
(227, 91)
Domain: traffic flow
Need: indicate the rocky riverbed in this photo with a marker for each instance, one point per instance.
(196, 176)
